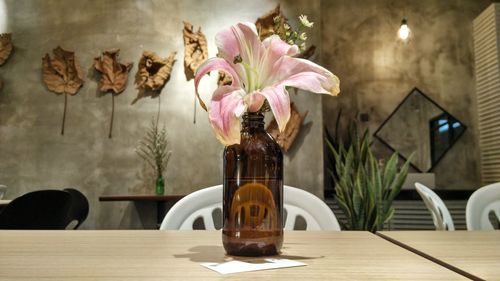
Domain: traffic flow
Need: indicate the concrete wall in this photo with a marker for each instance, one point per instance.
(359, 43)
(33, 155)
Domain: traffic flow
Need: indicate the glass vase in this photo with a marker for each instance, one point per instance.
(253, 192)
(160, 185)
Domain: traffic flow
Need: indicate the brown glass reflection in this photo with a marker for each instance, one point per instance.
(253, 192)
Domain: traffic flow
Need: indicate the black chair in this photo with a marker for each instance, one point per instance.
(79, 209)
(42, 209)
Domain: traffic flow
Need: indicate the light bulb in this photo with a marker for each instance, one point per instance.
(404, 30)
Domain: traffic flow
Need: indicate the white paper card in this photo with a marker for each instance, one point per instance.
(240, 266)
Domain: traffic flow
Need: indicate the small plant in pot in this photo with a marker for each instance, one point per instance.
(153, 149)
(365, 188)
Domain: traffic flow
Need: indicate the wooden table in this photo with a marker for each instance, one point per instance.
(4, 203)
(176, 255)
(163, 202)
(474, 252)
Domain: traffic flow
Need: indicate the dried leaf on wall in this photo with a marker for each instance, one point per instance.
(114, 77)
(265, 24)
(224, 79)
(5, 47)
(286, 138)
(153, 72)
(62, 75)
(195, 50)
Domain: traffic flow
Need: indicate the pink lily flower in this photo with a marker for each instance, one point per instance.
(259, 71)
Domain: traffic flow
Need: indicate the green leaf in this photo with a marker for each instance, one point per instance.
(390, 170)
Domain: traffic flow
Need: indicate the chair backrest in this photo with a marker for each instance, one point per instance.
(439, 212)
(79, 209)
(206, 203)
(483, 203)
(42, 209)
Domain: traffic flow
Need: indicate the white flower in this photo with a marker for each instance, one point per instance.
(303, 36)
(305, 22)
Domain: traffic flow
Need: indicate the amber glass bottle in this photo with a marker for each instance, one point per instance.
(253, 192)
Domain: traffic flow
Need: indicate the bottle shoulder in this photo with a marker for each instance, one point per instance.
(255, 142)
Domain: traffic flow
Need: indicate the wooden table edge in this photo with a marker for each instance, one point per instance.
(429, 257)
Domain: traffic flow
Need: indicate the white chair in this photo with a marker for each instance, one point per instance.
(440, 214)
(203, 203)
(481, 203)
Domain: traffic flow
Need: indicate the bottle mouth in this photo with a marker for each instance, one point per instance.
(253, 119)
(253, 115)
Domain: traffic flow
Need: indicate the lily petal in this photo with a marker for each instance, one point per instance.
(279, 101)
(248, 40)
(306, 75)
(280, 47)
(227, 42)
(211, 65)
(255, 101)
(275, 50)
(224, 115)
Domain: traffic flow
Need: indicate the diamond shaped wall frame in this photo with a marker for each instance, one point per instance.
(420, 125)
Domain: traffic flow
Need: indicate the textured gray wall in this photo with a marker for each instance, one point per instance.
(359, 43)
(32, 153)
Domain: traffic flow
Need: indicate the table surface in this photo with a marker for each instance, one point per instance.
(4, 202)
(476, 252)
(141, 197)
(176, 255)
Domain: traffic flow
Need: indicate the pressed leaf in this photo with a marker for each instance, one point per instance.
(114, 75)
(62, 75)
(153, 71)
(286, 138)
(195, 49)
(6, 47)
(265, 24)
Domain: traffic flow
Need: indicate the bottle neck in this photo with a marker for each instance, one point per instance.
(253, 120)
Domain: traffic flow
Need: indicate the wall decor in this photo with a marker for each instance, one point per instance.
(419, 125)
(266, 24)
(195, 49)
(62, 75)
(154, 71)
(114, 77)
(286, 138)
(274, 22)
(6, 47)
(224, 79)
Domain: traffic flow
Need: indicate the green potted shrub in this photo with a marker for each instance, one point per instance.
(364, 186)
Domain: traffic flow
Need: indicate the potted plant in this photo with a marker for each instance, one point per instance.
(365, 187)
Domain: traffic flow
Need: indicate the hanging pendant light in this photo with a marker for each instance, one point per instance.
(404, 31)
